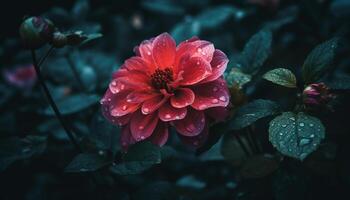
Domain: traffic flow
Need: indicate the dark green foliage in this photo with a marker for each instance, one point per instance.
(87, 162)
(253, 111)
(281, 76)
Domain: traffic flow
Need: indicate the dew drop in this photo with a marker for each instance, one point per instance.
(312, 136)
(284, 125)
(215, 89)
(199, 50)
(302, 156)
(203, 106)
(304, 141)
(84, 170)
(198, 63)
(292, 118)
(281, 134)
(222, 98)
(301, 124)
(215, 101)
(167, 116)
(114, 83)
(124, 107)
(145, 110)
(311, 125)
(141, 127)
(142, 137)
(148, 53)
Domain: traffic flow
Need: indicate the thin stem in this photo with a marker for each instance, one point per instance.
(73, 67)
(240, 142)
(251, 141)
(51, 101)
(41, 61)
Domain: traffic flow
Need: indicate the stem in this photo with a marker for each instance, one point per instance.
(50, 99)
(240, 142)
(41, 61)
(73, 67)
(251, 141)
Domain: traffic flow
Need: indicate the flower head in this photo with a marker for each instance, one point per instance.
(167, 85)
(22, 77)
(316, 94)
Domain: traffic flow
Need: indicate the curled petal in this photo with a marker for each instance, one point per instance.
(164, 49)
(126, 138)
(194, 70)
(192, 124)
(211, 94)
(118, 106)
(153, 104)
(218, 64)
(142, 126)
(160, 134)
(169, 113)
(182, 98)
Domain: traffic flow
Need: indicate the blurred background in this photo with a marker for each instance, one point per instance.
(34, 149)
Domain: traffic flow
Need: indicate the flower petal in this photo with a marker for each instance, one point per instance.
(198, 140)
(140, 96)
(194, 70)
(192, 124)
(118, 105)
(136, 63)
(182, 98)
(169, 113)
(153, 104)
(164, 49)
(211, 94)
(218, 64)
(160, 134)
(145, 51)
(142, 126)
(126, 138)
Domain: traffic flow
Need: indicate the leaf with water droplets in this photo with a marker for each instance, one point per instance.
(255, 52)
(296, 135)
(319, 60)
(185, 30)
(87, 162)
(281, 76)
(237, 77)
(139, 158)
(253, 111)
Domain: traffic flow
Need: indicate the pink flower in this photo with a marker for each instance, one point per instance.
(167, 85)
(22, 77)
(316, 94)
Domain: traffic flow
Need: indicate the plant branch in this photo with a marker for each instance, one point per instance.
(50, 99)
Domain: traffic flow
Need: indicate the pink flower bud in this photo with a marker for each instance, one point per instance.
(316, 94)
(22, 77)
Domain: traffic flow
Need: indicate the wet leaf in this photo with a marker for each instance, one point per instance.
(255, 52)
(296, 135)
(164, 6)
(237, 77)
(319, 61)
(281, 76)
(139, 158)
(253, 111)
(87, 162)
(73, 104)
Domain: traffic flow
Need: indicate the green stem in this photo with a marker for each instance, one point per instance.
(50, 99)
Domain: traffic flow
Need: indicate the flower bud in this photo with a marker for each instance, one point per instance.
(36, 31)
(316, 94)
(59, 40)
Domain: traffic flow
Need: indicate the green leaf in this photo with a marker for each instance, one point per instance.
(339, 81)
(164, 6)
(255, 52)
(236, 76)
(87, 162)
(139, 158)
(253, 111)
(73, 104)
(281, 76)
(232, 151)
(259, 166)
(213, 17)
(319, 61)
(185, 30)
(13, 149)
(91, 37)
(296, 135)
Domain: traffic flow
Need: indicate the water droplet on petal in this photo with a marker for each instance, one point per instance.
(203, 106)
(142, 137)
(215, 101)
(222, 98)
(124, 107)
(148, 53)
(141, 127)
(145, 110)
(167, 116)
(215, 89)
(199, 50)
